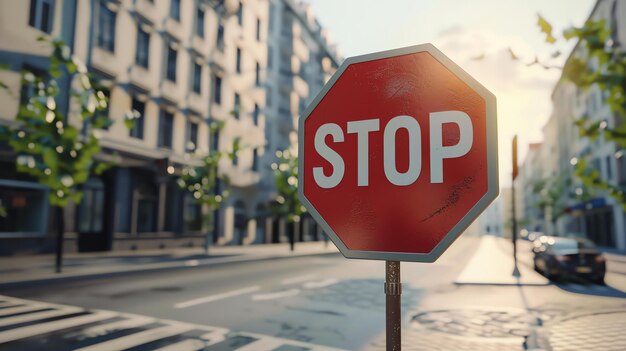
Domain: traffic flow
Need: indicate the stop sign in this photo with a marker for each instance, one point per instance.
(398, 154)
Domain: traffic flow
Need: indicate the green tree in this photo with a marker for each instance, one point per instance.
(608, 73)
(56, 153)
(206, 185)
(287, 203)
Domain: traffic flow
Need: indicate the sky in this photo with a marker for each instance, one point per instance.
(477, 36)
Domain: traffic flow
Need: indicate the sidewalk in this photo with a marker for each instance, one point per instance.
(40, 268)
(492, 264)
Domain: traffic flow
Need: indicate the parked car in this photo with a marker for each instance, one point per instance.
(558, 257)
(532, 236)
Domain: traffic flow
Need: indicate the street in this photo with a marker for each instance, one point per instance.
(319, 301)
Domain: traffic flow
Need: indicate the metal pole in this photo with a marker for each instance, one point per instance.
(60, 226)
(516, 272)
(393, 292)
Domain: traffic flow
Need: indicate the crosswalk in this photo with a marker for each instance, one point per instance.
(31, 325)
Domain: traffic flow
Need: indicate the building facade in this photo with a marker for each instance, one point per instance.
(180, 65)
(581, 210)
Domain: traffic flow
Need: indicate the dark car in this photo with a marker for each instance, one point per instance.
(558, 257)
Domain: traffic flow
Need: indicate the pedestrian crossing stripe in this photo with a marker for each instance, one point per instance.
(25, 324)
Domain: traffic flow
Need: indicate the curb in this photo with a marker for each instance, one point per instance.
(155, 267)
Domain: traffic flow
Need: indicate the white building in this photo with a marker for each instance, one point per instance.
(598, 216)
(182, 64)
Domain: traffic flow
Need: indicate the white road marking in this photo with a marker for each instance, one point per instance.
(266, 344)
(276, 295)
(299, 279)
(23, 318)
(144, 337)
(5, 304)
(102, 322)
(320, 284)
(217, 297)
(37, 329)
(21, 309)
(103, 329)
(192, 263)
(185, 345)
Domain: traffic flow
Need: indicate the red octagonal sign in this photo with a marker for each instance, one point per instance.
(398, 154)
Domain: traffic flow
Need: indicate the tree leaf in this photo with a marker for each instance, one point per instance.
(546, 28)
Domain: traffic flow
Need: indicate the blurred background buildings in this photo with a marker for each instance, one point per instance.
(181, 64)
(553, 199)
(255, 65)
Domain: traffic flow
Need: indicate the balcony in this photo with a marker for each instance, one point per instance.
(147, 9)
(198, 103)
(174, 28)
(143, 78)
(300, 50)
(300, 86)
(106, 62)
(200, 46)
(242, 177)
(171, 91)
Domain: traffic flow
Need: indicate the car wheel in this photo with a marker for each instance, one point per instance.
(599, 281)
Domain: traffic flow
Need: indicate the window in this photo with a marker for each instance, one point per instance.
(197, 77)
(255, 159)
(609, 169)
(41, 12)
(268, 95)
(238, 62)
(192, 136)
(236, 158)
(240, 14)
(270, 52)
(166, 128)
(91, 208)
(257, 76)
(214, 140)
(220, 36)
(237, 107)
(193, 214)
(217, 90)
(258, 29)
(175, 9)
(200, 22)
(106, 28)
(29, 90)
(171, 64)
(143, 47)
(255, 116)
(138, 108)
(24, 207)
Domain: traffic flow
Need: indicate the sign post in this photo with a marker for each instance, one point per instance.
(393, 292)
(398, 155)
(516, 272)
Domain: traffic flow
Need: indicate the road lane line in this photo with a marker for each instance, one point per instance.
(320, 284)
(137, 339)
(217, 297)
(298, 279)
(276, 295)
(43, 328)
(23, 318)
(21, 309)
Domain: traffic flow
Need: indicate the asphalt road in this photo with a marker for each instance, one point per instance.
(324, 300)
(309, 303)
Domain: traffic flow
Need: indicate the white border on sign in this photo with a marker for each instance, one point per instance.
(492, 157)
